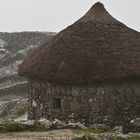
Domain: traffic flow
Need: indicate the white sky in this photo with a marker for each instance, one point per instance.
(55, 15)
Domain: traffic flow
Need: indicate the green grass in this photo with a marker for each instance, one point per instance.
(85, 132)
(11, 128)
(51, 133)
(89, 130)
(80, 131)
(21, 111)
(16, 127)
(137, 137)
(88, 137)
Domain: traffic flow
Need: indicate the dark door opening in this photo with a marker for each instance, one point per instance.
(57, 103)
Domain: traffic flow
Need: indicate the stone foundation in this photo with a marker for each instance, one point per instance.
(112, 104)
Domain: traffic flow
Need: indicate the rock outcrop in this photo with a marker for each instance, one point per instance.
(14, 47)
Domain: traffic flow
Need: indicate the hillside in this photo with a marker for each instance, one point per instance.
(14, 47)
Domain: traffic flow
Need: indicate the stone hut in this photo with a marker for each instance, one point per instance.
(89, 72)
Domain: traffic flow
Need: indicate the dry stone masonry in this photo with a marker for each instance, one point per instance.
(110, 103)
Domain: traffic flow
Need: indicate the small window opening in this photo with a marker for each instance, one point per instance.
(57, 103)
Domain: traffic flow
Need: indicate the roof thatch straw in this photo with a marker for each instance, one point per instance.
(95, 48)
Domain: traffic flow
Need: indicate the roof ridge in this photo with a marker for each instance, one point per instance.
(98, 14)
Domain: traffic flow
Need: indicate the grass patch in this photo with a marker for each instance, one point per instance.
(100, 130)
(137, 137)
(81, 131)
(11, 128)
(85, 132)
(89, 130)
(16, 127)
(21, 111)
(88, 137)
(51, 133)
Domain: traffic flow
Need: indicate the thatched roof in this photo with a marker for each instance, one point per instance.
(95, 48)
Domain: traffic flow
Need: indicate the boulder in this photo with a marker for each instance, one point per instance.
(124, 136)
(135, 122)
(133, 126)
(100, 127)
(46, 123)
(118, 129)
(112, 136)
(76, 125)
(58, 124)
(27, 122)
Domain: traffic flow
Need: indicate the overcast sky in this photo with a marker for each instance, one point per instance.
(55, 15)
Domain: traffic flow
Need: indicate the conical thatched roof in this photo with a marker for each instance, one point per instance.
(95, 48)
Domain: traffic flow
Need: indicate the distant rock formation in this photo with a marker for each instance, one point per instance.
(13, 49)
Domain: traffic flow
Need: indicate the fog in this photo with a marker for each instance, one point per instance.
(55, 15)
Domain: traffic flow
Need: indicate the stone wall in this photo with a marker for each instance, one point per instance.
(113, 104)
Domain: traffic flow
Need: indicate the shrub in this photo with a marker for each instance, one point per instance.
(11, 128)
(137, 137)
(16, 127)
(21, 111)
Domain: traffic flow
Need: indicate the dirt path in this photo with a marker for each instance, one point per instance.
(51, 135)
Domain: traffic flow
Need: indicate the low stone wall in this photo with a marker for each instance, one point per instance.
(112, 104)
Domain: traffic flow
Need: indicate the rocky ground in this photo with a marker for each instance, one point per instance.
(14, 47)
(51, 135)
(23, 129)
(67, 134)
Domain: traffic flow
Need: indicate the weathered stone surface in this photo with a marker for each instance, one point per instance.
(76, 125)
(58, 124)
(112, 136)
(118, 129)
(100, 127)
(27, 122)
(133, 125)
(112, 104)
(135, 122)
(46, 123)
